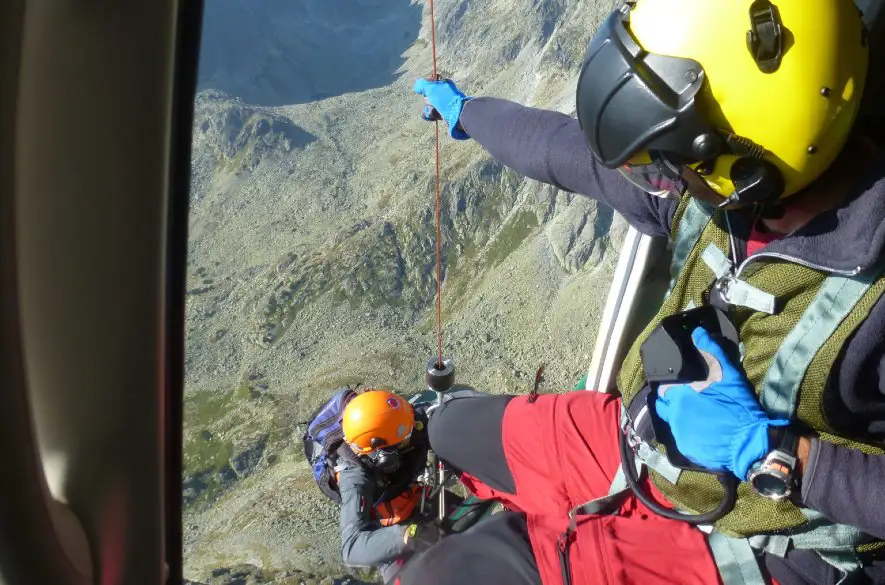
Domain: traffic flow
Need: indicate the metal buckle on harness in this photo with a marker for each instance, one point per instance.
(723, 285)
(628, 430)
(633, 439)
(736, 292)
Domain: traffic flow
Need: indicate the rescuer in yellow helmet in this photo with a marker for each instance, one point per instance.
(756, 114)
(732, 128)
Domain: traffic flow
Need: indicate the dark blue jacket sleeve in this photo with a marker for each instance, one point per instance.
(549, 147)
(846, 486)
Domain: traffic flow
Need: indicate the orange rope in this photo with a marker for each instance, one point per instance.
(433, 39)
(438, 205)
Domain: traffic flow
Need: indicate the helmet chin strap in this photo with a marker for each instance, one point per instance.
(699, 189)
(757, 181)
(386, 460)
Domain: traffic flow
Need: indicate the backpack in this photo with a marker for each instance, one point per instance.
(323, 437)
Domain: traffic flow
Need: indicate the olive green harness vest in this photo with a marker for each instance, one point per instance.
(788, 354)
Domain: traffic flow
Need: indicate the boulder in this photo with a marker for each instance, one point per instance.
(247, 455)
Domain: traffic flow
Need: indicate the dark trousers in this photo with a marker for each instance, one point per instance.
(466, 434)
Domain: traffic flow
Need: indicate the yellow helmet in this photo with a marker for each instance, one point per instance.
(757, 96)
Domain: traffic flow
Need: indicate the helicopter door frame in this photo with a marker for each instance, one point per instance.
(96, 109)
(637, 286)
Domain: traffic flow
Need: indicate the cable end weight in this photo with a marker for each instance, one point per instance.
(440, 377)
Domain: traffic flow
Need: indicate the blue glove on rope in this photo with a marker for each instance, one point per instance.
(718, 423)
(445, 99)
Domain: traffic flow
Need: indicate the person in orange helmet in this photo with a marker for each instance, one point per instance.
(384, 451)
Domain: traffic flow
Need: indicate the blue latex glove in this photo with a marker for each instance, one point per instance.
(445, 99)
(717, 423)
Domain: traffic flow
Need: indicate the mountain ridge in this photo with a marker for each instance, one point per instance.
(312, 258)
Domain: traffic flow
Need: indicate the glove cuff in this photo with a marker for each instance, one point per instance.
(417, 539)
(749, 446)
(456, 130)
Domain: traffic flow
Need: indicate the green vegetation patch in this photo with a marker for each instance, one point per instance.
(207, 407)
(219, 426)
(204, 452)
(471, 263)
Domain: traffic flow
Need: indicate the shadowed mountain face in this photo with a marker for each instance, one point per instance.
(279, 53)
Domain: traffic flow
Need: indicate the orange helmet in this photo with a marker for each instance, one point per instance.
(377, 419)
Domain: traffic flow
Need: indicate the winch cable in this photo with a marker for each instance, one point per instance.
(440, 366)
(438, 203)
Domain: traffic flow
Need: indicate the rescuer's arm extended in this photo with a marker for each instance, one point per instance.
(549, 147)
(546, 146)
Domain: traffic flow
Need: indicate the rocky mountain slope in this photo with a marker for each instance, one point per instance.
(311, 258)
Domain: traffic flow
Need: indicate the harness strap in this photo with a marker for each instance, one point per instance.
(835, 544)
(692, 224)
(657, 461)
(645, 453)
(837, 297)
(716, 260)
(743, 294)
(733, 290)
(735, 560)
(836, 548)
(618, 489)
(608, 504)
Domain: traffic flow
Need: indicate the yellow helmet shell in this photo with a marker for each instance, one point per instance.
(802, 112)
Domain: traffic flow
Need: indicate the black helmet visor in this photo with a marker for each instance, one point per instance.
(629, 100)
